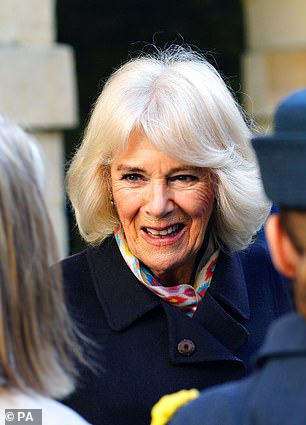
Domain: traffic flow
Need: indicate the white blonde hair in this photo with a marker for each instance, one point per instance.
(181, 103)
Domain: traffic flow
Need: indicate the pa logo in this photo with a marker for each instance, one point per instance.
(23, 416)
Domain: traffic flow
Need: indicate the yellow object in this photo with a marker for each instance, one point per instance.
(163, 411)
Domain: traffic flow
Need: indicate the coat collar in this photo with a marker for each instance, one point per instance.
(286, 338)
(228, 285)
(125, 300)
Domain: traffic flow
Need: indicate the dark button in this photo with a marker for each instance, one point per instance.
(186, 347)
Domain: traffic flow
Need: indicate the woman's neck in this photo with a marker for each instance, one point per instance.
(180, 275)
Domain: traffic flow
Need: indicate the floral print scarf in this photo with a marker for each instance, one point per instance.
(185, 297)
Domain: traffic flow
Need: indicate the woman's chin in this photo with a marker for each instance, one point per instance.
(169, 268)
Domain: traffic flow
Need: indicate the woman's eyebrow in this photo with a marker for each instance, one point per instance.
(184, 168)
(134, 169)
(129, 168)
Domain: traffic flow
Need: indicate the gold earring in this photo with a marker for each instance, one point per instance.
(111, 199)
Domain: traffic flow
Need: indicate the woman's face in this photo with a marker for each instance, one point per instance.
(164, 208)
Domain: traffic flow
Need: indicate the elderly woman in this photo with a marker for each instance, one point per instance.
(166, 191)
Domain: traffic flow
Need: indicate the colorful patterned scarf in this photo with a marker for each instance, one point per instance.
(184, 296)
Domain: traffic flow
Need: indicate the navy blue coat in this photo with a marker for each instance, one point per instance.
(275, 394)
(146, 348)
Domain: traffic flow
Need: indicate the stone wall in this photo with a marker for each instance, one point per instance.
(274, 63)
(38, 90)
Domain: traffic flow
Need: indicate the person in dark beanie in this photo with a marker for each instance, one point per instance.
(275, 393)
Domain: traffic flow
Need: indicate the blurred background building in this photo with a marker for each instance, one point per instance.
(55, 56)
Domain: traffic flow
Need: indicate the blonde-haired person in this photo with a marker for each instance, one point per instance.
(166, 192)
(38, 345)
(275, 393)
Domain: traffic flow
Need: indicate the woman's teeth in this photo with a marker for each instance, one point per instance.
(172, 230)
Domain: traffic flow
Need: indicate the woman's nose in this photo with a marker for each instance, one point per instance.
(159, 201)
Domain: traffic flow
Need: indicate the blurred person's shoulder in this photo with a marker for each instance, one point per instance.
(53, 412)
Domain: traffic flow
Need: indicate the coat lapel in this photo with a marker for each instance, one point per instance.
(225, 306)
(216, 333)
(228, 285)
(207, 347)
(122, 297)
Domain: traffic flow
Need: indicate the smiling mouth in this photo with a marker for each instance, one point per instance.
(164, 233)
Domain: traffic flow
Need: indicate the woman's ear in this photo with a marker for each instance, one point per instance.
(283, 253)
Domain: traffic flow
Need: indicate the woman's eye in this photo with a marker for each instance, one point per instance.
(183, 178)
(131, 177)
